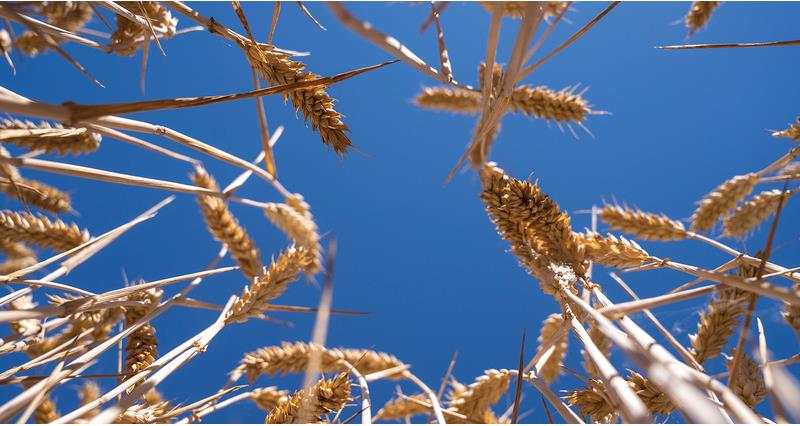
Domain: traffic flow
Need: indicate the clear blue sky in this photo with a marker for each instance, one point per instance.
(420, 256)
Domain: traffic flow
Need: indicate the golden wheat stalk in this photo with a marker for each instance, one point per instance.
(612, 251)
(647, 226)
(49, 138)
(271, 283)
(327, 396)
(401, 407)
(699, 14)
(142, 347)
(316, 105)
(39, 230)
(754, 211)
(475, 400)
(294, 358)
(225, 228)
(721, 200)
(552, 368)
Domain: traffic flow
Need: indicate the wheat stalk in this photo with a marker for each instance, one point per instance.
(49, 138)
(601, 342)
(721, 200)
(325, 397)
(647, 226)
(754, 211)
(552, 368)
(224, 226)
(39, 230)
(699, 14)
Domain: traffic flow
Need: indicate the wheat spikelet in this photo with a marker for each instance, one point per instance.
(317, 107)
(721, 200)
(38, 194)
(309, 405)
(699, 14)
(749, 384)
(225, 228)
(448, 99)
(552, 368)
(271, 283)
(515, 8)
(647, 226)
(268, 398)
(593, 402)
(792, 132)
(142, 347)
(612, 251)
(299, 226)
(603, 344)
(47, 137)
(294, 357)
(754, 211)
(656, 401)
(718, 322)
(148, 412)
(129, 36)
(476, 399)
(399, 408)
(88, 393)
(39, 230)
(562, 106)
(791, 314)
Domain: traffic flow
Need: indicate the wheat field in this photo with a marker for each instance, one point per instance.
(422, 212)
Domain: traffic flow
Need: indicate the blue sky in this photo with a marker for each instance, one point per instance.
(419, 255)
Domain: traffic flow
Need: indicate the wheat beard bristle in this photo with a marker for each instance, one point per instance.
(41, 231)
(142, 347)
(475, 400)
(699, 14)
(749, 384)
(399, 408)
(754, 211)
(294, 357)
(317, 106)
(225, 228)
(552, 368)
(309, 405)
(50, 138)
(129, 36)
(647, 226)
(722, 200)
(268, 398)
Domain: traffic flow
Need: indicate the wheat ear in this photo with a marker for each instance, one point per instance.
(317, 107)
(791, 314)
(297, 223)
(68, 15)
(399, 408)
(593, 402)
(270, 284)
(39, 230)
(15, 264)
(792, 132)
(475, 400)
(129, 36)
(327, 396)
(294, 358)
(515, 8)
(612, 251)
(89, 393)
(268, 398)
(754, 211)
(49, 138)
(721, 200)
(749, 384)
(150, 411)
(656, 401)
(699, 14)
(142, 347)
(449, 99)
(38, 194)
(225, 228)
(647, 226)
(552, 368)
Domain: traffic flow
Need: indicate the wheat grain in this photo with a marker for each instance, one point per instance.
(271, 284)
(593, 402)
(754, 211)
(475, 400)
(721, 200)
(327, 396)
(792, 132)
(38, 194)
(88, 393)
(552, 368)
(225, 228)
(268, 398)
(129, 36)
(294, 357)
(612, 251)
(791, 314)
(699, 14)
(315, 104)
(142, 347)
(297, 223)
(39, 230)
(47, 137)
(647, 226)
(656, 401)
(749, 384)
(399, 408)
